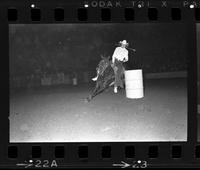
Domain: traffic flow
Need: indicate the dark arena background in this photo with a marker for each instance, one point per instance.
(51, 67)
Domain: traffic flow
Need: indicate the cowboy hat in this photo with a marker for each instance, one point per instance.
(124, 42)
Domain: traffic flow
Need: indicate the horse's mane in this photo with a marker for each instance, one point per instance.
(107, 71)
(103, 64)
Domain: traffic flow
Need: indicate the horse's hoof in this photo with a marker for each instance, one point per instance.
(87, 100)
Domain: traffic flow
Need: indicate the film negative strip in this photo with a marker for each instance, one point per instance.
(100, 83)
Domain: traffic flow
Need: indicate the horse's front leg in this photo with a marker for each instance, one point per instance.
(94, 93)
(98, 89)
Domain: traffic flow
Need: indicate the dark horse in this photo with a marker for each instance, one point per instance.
(106, 77)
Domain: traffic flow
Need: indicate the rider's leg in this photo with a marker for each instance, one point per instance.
(119, 71)
(115, 89)
(115, 83)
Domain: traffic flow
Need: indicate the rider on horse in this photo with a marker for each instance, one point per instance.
(120, 55)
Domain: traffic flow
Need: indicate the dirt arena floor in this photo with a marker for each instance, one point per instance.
(60, 114)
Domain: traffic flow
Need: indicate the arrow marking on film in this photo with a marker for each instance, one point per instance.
(123, 165)
(24, 164)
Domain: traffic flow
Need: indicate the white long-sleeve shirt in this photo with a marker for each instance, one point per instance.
(120, 54)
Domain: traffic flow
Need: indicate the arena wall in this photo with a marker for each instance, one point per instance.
(178, 74)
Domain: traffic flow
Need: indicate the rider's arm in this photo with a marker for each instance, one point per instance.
(114, 55)
(113, 59)
(126, 57)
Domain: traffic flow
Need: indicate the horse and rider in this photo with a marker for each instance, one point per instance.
(111, 72)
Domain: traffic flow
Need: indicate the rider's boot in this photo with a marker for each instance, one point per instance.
(115, 89)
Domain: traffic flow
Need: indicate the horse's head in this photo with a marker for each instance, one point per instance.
(105, 60)
(104, 63)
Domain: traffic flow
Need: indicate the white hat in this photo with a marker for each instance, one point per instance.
(124, 42)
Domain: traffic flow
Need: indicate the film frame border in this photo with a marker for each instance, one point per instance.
(93, 157)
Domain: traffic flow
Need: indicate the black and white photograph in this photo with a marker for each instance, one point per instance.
(98, 82)
(198, 79)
